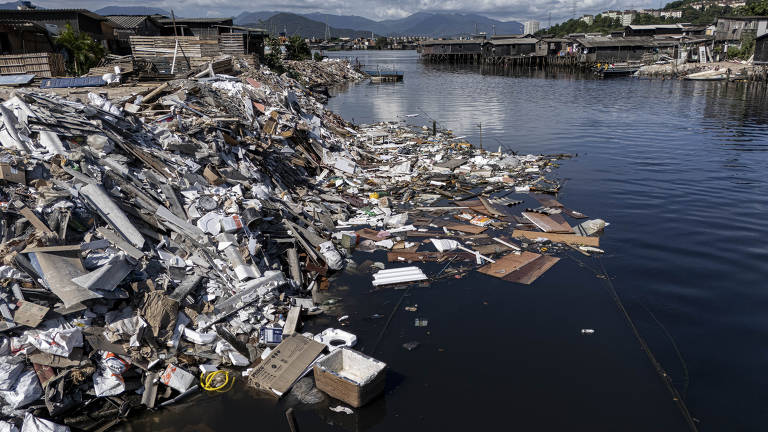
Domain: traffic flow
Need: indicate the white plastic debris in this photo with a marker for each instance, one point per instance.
(55, 341)
(34, 424)
(335, 338)
(26, 390)
(341, 409)
(177, 378)
(332, 256)
(108, 378)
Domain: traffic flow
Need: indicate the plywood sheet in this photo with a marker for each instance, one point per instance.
(508, 264)
(559, 238)
(549, 224)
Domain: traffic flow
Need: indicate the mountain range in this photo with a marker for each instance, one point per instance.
(418, 24)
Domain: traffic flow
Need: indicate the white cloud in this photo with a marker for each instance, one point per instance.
(519, 10)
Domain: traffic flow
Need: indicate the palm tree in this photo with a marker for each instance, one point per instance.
(83, 51)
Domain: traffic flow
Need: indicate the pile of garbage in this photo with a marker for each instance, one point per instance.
(163, 243)
(325, 73)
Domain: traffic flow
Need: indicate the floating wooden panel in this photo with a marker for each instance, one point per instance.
(559, 238)
(549, 224)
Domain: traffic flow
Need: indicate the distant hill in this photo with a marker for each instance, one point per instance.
(131, 10)
(9, 5)
(347, 21)
(299, 25)
(448, 24)
(418, 24)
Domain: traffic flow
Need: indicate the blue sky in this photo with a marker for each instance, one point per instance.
(519, 10)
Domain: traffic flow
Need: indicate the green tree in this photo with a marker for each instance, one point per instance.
(381, 42)
(318, 57)
(297, 49)
(273, 60)
(83, 52)
(754, 7)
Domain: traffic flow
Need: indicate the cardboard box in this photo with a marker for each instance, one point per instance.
(285, 364)
(350, 376)
(12, 174)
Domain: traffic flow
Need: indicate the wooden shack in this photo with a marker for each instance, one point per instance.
(453, 50)
(610, 50)
(23, 36)
(516, 47)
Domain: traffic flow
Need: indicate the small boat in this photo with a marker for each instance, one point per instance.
(616, 69)
(713, 75)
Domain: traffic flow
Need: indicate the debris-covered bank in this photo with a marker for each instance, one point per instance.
(161, 244)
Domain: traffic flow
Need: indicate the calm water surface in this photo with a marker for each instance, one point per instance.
(677, 168)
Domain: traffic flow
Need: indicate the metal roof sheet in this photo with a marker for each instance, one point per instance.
(517, 41)
(128, 21)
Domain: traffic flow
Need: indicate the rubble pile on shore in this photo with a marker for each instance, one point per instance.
(163, 243)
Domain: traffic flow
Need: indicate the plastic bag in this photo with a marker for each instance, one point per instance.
(108, 379)
(34, 424)
(27, 390)
(56, 341)
(332, 256)
(8, 427)
(10, 369)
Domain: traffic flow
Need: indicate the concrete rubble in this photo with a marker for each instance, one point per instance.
(151, 241)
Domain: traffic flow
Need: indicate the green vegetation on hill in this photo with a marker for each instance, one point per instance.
(704, 16)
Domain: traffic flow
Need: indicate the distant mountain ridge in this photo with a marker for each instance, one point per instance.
(418, 24)
(294, 24)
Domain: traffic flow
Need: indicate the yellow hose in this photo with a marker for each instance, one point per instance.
(206, 381)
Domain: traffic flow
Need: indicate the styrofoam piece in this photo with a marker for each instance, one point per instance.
(335, 338)
(398, 275)
(177, 378)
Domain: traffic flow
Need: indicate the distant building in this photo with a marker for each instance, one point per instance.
(589, 19)
(531, 27)
(671, 14)
(721, 3)
(20, 37)
(55, 20)
(733, 29)
(626, 17)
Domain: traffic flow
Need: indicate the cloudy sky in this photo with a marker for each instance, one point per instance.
(504, 10)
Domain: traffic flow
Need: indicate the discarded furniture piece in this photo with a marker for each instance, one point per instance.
(350, 376)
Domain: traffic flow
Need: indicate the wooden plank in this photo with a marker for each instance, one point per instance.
(531, 271)
(292, 321)
(559, 238)
(472, 229)
(403, 256)
(549, 224)
(507, 264)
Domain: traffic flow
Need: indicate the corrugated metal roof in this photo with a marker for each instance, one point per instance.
(453, 42)
(655, 26)
(615, 42)
(194, 20)
(128, 21)
(518, 41)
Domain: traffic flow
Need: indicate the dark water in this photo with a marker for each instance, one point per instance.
(677, 168)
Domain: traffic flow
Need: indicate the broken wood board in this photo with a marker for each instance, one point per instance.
(531, 271)
(524, 268)
(547, 201)
(428, 256)
(292, 321)
(30, 314)
(559, 238)
(549, 224)
(371, 234)
(472, 229)
(285, 364)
